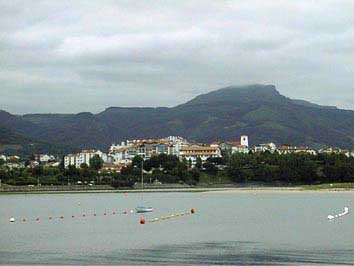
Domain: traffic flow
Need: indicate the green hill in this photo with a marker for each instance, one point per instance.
(256, 110)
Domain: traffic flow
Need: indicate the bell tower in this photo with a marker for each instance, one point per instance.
(244, 140)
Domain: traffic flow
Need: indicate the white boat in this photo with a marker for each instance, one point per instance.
(141, 208)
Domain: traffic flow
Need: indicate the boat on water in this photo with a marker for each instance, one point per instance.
(141, 208)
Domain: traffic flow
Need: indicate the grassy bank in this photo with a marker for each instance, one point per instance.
(329, 186)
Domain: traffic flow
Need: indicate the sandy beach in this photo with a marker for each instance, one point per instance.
(273, 190)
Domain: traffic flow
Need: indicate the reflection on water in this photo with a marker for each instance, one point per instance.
(232, 253)
(212, 253)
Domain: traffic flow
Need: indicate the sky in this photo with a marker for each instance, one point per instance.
(74, 56)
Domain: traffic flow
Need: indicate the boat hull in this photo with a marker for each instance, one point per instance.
(142, 209)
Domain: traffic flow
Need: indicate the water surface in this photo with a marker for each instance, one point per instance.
(227, 229)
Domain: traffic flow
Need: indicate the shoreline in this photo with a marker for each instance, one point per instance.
(281, 190)
(208, 190)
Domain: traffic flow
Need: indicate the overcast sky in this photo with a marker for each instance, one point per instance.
(73, 56)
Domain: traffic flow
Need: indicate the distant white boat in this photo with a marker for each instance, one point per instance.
(346, 211)
(141, 209)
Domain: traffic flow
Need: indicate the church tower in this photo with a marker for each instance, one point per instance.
(244, 140)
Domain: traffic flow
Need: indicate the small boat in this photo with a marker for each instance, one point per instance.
(141, 209)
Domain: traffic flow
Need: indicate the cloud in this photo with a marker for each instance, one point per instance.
(72, 56)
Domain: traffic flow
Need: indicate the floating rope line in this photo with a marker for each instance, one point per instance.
(172, 216)
(61, 217)
(345, 212)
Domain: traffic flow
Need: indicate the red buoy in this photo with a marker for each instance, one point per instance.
(192, 211)
(142, 220)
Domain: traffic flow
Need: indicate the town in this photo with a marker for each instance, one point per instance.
(200, 161)
(122, 155)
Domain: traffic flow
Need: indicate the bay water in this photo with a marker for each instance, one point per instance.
(226, 229)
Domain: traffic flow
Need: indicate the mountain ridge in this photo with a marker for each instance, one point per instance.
(259, 111)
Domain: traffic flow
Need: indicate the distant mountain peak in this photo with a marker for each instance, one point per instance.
(235, 94)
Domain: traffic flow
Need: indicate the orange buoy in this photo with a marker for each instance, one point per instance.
(142, 220)
(192, 210)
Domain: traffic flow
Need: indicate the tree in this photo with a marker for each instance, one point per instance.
(210, 168)
(96, 162)
(198, 163)
(137, 161)
(61, 165)
(84, 166)
(195, 175)
(216, 160)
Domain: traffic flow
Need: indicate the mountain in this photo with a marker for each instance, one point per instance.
(8, 133)
(259, 111)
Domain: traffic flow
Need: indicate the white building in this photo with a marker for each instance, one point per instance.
(348, 153)
(13, 158)
(241, 146)
(43, 158)
(3, 157)
(295, 149)
(191, 153)
(271, 147)
(124, 152)
(330, 150)
(83, 157)
(123, 155)
(175, 145)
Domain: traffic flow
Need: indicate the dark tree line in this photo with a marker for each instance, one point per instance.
(266, 168)
(291, 168)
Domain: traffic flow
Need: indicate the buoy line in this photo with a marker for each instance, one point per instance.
(331, 217)
(167, 217)
(61, 217)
